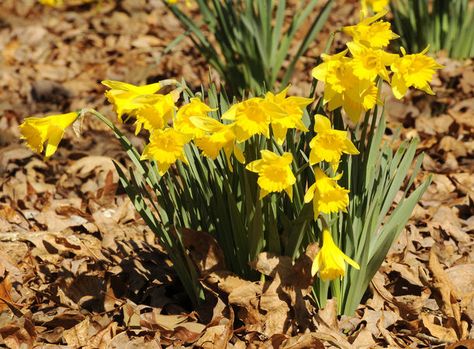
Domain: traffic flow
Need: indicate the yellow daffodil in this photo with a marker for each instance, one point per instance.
(183, 123)
(155, 111)
(328, 144)
(60, 3)
(274, 173)
(166, 147)
(326, 194)
(373, 6)
(328, 70)
(49, 130)
(415, 70)
(343, 88)
(368, 63)
(293, 108)
(52, 3)
(371, 32)
(123, 96)
(330, 261)
(251, 117)
(174, 2)
(219, 137)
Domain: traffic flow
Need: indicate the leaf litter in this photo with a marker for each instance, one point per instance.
(78, 268)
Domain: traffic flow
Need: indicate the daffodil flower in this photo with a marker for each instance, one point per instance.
(166, 147)
(291, 116)
(374, 6)
(274, 173)
(371, 32)
(330, 261)
(52, 3)
(153, 111)
(251, 117)
(183, 123)
(218, 137)
(174, 2)
(368, 63)
(326, 194)
(343, 88)
(47, 130)
(123, 95)
(415, 70)
(328, 144)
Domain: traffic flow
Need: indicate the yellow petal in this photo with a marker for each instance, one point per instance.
(321, 123)
(289, 191)
(351, 262)
(315, 266)
(255, 166)
(308, 196)
(239, 154)
(55, 134)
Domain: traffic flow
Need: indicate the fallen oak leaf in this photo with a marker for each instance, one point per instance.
(13, 307)
(18, 333)
(364, 339)
(275, 304)
(448, 298)
(189, 332)
(204, 251)
(303, 341)
(5, 289)
(104, 336)
(79, 335)
(153, 320)
(327, 326)
(461, 276)
(328, 314)
(218, 336)
(444, 334)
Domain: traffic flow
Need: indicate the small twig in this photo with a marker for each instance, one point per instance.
(426, 337)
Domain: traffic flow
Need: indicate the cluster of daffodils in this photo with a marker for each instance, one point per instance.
(172, 129)
(351, 81)
(350, 84)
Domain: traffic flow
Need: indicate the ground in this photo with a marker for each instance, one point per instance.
(78, 268)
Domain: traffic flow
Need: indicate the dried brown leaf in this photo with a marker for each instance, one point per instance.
(445, 334)
(79, 335)
(17, 332)
(303, 341)
(204, 251)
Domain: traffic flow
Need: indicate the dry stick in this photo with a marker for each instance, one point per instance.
(426, 337)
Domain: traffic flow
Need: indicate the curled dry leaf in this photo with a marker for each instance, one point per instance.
(442, 333)
(302, 341)
(93, 170)
(461, 277)
(79, 335)
(204, 251)
(454, 327)
(219, 334)
(17, 332)
(5, 289)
